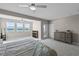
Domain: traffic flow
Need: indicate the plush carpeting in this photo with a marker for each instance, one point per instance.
(62, 49)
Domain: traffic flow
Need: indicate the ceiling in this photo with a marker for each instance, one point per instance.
(53, 10)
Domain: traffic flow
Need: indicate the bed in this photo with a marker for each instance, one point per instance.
(25, 47)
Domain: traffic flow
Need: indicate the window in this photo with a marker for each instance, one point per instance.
(10, 26)
(27, 27)
(19, 27)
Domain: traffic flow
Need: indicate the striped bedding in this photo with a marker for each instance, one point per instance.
(24, 47)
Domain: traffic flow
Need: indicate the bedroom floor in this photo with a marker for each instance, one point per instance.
(61, 48)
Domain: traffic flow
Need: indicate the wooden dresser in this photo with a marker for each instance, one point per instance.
(69, 37)
(35, 34)
(63, 36)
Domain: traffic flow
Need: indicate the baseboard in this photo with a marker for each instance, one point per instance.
(51, 37)
(75, 43)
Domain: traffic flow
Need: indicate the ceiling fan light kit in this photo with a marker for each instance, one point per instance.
(33, 6)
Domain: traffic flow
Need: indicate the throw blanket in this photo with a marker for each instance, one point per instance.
(43, 50)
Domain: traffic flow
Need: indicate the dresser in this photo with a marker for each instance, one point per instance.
(35, 34)
(69, 37)
(63, 36)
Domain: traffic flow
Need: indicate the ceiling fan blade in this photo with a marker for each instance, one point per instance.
(23, 5)
(41, 6)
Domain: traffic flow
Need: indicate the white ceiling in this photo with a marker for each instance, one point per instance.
(53, 10)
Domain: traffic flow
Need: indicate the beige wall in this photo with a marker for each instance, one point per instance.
(67, 23)
(51, 30)
(37, 27)
(15, 35)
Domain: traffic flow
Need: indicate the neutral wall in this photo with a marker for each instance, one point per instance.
(67, 23)
(37, 27)
(51, 29)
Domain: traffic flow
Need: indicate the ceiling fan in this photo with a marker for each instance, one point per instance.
(32, 6)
